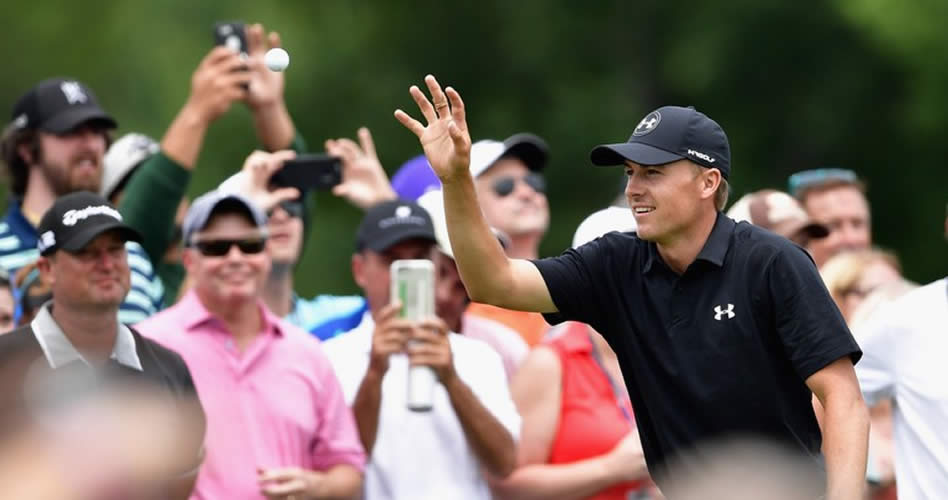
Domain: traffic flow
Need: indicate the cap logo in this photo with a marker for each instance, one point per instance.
(648, 123)
(71, 217)
(20, 121)
(403, 215)
(46, 240)
(704, 156)
(402, 211)
(73, 92)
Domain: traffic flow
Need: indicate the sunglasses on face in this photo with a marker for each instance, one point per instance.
(293, 208)
(806, 179)
(505, 185)
(219, 248)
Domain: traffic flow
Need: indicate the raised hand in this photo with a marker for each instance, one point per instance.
(216, 84)
(364, 182)
(430, 346)
(266, 87)
(253, 181)
(445, 140)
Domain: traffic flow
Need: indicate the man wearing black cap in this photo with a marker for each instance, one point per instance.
(722, 329)
(473, 423)
(82, 257)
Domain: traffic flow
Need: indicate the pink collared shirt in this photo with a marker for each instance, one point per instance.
(277, 404)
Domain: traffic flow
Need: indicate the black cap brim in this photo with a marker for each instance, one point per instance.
(383, 244)
(83, 238)
(72, 118)
(608, 155)
(530, 149)
(815, 230)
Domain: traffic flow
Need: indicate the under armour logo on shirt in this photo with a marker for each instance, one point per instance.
(718, 312)
(73, 92)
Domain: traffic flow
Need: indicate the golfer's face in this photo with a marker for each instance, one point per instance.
(664, 198)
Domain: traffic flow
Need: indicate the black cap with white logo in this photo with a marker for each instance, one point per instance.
(392, 222)
(668, 134)
(78, 218)
(58, 105)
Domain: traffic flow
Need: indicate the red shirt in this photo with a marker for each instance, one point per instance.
(592, 421)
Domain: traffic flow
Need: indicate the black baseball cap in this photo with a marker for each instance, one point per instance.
(78, 218)
(58, 105)
(668, 134)
(391, 222)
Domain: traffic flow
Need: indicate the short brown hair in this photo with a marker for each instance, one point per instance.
(724, 189)
(17, 170)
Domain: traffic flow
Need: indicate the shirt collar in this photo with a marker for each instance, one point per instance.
(59, 351)
(714, 249)
(195, 314)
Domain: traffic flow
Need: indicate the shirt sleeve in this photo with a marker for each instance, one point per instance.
(488, 381)
(810, 326)
(337, 441)
(875, 371)
(576, 282)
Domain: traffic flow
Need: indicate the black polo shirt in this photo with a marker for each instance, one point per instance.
(721, 351)
(30, 387)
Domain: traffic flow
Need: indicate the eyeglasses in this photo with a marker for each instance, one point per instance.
(807, 179)
(219, 248)
(293, 208)
(504, 185)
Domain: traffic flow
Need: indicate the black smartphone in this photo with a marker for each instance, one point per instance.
(232, 35)
(310, 171)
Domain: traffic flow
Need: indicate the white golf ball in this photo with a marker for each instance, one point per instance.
(276, 59)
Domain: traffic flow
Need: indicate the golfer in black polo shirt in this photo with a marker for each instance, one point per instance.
(722, 330)
(75, 348)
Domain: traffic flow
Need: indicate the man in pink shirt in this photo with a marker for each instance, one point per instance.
(278, 426)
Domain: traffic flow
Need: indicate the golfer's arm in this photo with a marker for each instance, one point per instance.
(489, 276)
(845, 429)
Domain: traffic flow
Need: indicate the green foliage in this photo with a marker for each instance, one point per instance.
(856, 83)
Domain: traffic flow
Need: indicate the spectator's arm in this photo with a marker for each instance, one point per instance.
(489, 439)
(845, 429)
(366, 408)
(338, 482)
(150, 201)
(265, 98)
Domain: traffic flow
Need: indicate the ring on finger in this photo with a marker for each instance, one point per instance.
(442, 104)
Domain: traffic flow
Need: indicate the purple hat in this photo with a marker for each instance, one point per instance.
(414, 178)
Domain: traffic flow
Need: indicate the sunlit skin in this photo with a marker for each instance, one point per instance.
(371, 271)
(234, 278)
(6, 310)
(523, 211)
(845, 212)
(94, 278)
(72, 161)
(667, 200)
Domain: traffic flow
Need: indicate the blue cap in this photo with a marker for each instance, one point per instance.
(205, 205)
(668, 134)
(414, 178)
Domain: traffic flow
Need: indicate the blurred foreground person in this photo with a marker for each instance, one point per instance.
(58, 369)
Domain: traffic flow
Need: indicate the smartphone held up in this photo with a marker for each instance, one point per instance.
(412, 284)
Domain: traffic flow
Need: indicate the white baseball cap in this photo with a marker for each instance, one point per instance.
(122, 158)
(433, 203)
(529, 148)
(602, 222)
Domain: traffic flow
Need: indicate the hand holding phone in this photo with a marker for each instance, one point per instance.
(308, 172)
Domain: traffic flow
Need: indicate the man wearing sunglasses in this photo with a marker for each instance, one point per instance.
(511, 191)
(835, 198)
(257, 375)
(723, 330)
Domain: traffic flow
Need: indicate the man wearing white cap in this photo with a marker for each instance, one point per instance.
(780, 213)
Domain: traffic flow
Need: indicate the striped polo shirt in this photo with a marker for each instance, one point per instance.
(18, 248)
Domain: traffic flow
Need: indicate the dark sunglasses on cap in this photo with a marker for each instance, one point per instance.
(293, 208)
(219, 248)
(504, 185)
(806, 179)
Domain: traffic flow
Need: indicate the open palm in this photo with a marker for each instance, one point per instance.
(445, 140)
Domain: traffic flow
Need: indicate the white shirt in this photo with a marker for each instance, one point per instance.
(423, 455)
(59, 351)
(904, 346)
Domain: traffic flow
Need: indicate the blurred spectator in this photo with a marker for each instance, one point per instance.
(903, 345)
(451, 299)
(31, 293)
(7, 304)
(780, 213)
(165, 175)
(257, 375)
(851, 276)
(76, 349)
(511, 191)
(579, 438)
(473, 424)
(835, 198)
